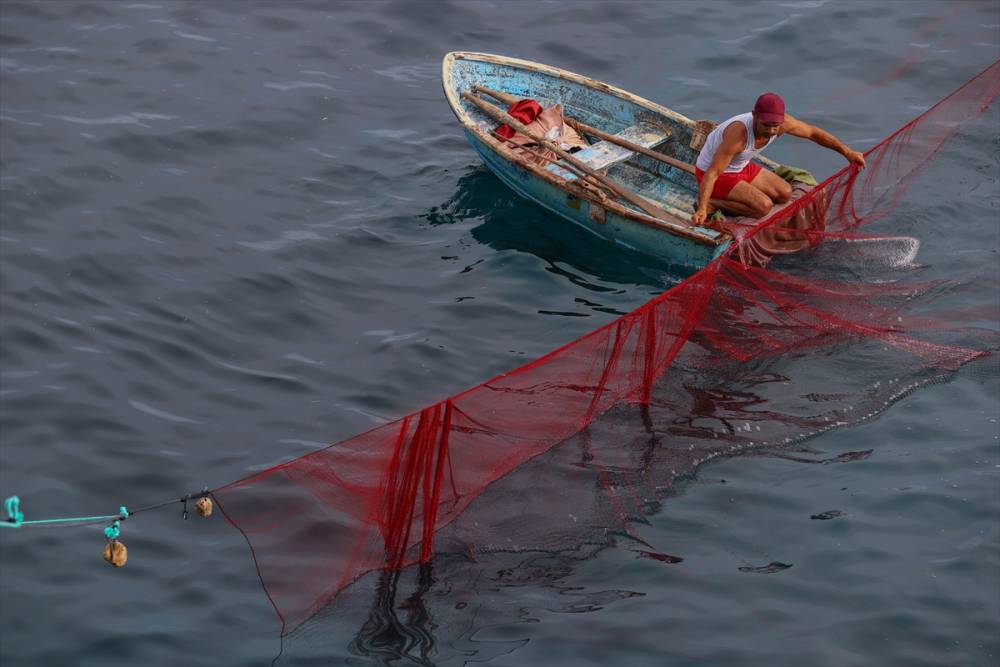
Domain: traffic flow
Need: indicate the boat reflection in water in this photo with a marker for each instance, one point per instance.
(509, 222)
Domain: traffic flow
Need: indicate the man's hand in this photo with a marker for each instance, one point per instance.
(854, 157)
(699, 217)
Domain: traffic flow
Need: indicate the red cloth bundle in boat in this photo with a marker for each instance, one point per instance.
(716, 365)
(524, 111)
(545, 122)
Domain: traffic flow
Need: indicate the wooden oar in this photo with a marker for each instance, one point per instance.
(503, 117)
(506, 98)
(509, 100)
(581, 177)
(583, 127)
(599, 190)
(624, 143)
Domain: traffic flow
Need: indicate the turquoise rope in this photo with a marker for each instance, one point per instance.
(76, 519)
(15, 518)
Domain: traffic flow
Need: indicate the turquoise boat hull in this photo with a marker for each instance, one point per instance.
(672, 238)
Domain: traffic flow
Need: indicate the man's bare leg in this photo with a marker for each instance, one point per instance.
(732, 207)
(745, 199)
(772, 185)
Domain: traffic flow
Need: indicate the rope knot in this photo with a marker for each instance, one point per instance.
(14, 514)
(113, 531)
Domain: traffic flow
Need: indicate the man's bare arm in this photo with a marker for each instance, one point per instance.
(734, 138)
(797, 128)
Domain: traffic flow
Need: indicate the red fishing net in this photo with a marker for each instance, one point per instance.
(716, 365)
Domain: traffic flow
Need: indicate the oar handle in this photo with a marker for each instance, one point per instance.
(506, 98)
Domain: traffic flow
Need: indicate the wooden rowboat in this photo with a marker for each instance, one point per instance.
(634, 185)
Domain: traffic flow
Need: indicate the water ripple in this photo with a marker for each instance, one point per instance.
(161, 414)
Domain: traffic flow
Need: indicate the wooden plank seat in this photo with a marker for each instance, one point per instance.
(604, 154)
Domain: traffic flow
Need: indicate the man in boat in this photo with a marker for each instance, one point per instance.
(727, 178)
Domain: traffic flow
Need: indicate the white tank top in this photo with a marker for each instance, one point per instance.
(714, 140)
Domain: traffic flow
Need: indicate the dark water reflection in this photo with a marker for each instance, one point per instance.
(511, 223)
(398, 630)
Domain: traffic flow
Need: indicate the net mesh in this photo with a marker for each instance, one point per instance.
(716, 365)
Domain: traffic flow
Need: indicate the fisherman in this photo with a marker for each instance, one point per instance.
(727, 178)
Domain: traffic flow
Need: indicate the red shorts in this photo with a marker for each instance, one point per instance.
(727, 180)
